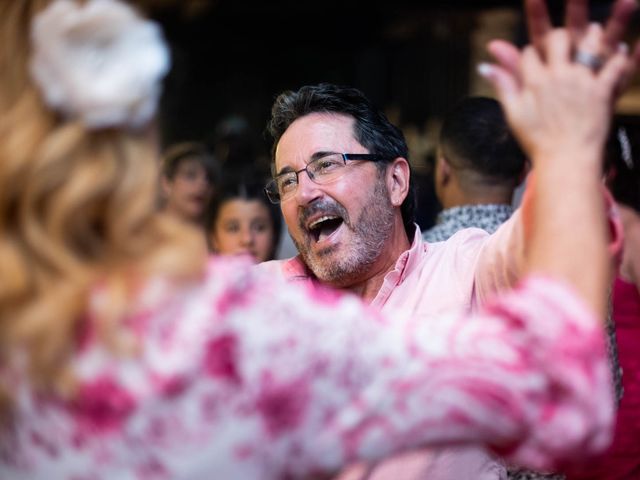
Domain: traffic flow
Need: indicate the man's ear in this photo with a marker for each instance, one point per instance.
(398, 176)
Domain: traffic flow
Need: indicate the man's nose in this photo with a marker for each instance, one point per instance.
(307, 190)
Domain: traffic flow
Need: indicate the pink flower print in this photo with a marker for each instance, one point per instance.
(282, 405)
(239, 295)
(323, 295)
(169, 385)
(220, 358)
(44, 443)
(152, 469)
(101, 406)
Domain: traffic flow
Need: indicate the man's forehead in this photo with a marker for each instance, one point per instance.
(314, 133)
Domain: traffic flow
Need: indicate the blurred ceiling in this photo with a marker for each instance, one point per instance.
(333, 21)
(232, 56)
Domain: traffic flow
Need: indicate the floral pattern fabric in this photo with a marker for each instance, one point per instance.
(241, 376)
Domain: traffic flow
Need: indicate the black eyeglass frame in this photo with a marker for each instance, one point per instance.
(271, 189)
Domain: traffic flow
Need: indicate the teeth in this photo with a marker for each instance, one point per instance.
(315, 223)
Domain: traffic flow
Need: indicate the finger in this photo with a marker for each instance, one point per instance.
(502, 80)
(592, 40)
(538, 22)
(531, 65)
(576, 17)
(633, 64)
(591, 45)
(614, 73)
(558, 47)
(617, 24)
(506, 55)
(629, 69)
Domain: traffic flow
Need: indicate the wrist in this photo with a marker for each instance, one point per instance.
(577, 161)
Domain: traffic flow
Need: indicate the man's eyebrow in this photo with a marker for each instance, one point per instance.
(314, 156)
(318, 155)
(284, 170)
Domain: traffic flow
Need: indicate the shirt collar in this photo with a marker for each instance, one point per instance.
(407, 262)
(409, 259)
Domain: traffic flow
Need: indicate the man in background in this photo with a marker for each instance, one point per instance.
(343, 181)
(478, 166)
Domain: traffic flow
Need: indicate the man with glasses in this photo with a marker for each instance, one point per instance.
(342, 178)
(343, 181)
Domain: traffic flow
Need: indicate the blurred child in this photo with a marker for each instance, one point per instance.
(188, 176)
(243, 221)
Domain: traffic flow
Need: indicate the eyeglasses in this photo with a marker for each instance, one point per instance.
(320, 170)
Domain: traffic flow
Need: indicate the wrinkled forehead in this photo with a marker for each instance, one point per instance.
(314, 133)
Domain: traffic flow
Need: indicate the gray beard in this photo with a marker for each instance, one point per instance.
(371, 231)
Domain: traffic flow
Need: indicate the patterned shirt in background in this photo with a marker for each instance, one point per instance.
(487, 217)
(241, 377)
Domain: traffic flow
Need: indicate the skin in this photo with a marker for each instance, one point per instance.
(577, 23)
(359, 253)
(243, 227)
(188, 192)
(544, 101)
(452, 191)
(602, 40)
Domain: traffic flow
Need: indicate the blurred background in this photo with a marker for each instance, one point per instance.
(414, 59)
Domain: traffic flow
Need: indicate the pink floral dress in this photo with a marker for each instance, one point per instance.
(243, 377)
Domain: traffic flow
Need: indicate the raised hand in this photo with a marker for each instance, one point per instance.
(559, 104)
(554, 103)
(586, 47)
(555, 99)
(577, 23)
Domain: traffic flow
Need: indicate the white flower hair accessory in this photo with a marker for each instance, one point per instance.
(99, 62)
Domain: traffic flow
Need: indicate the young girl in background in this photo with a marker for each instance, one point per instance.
(242, 221)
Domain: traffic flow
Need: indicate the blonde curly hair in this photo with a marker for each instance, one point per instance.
(77, 207)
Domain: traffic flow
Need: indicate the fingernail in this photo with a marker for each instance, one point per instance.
(623, 48)
(484, 69)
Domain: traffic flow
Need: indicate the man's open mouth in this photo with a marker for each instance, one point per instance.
(324, 226)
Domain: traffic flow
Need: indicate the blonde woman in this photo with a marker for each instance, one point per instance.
(125, 353)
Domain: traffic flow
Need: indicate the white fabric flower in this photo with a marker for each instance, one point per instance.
(99, 62)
